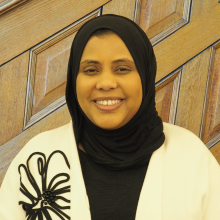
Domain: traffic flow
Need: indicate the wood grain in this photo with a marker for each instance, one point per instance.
(13, 81)
(37, 21)
(9, 4)
(120, 7)
(216, 152)
(192, 92)
(199, 7)
(10, 149)
(164, 96)
(163, 18)
(137, 11)
(50, 73)
(160, 11)
(49, 98)
(47, 72)
(189, 41)
(211, 124)
(163, 100)
(175, 96)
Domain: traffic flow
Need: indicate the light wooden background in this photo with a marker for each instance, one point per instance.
(35, 40)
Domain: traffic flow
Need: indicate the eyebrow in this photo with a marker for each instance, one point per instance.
(123, 60)
(115, 61)
(90, 61)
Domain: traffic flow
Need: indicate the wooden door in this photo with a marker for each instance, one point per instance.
(185, 35)
(35, 39)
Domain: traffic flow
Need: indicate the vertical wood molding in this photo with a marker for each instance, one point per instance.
(166, 96)
(205, 99)
(137, 11)
(9, 4)
(175, 96)
(192, 92)
(210, 133)
(30, 119)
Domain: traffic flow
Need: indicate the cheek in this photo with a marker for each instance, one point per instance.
(137, 98)
(135, 91)
(82, 88)
(81, 92)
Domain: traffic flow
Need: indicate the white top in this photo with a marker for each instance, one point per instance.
(182, 180)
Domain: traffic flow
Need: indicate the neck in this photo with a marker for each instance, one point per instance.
(81, 147)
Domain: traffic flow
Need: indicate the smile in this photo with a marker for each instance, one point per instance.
(108, 102)
(108, 105)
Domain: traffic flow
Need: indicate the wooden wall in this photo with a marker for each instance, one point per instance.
(35, 41)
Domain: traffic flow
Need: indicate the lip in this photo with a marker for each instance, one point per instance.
(108, 98)
(108, 107)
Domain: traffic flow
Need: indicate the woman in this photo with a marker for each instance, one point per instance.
(117, 160)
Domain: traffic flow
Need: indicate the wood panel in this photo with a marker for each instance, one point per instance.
(124, 8)
(13, 81)
(48, 71)
(159, 20)
(38, 20)
(10, 149)
(192, 92)
(189, 41)
(165, 98)
(199, 7)
(159, 12)
(211, 125)
(216, 152)
(6, 5)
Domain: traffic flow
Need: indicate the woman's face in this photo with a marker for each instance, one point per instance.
(108, 86)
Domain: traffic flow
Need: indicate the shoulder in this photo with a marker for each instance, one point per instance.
(180, 142)
(182, 136)
(46, 143)
(49, 140)
(51, 135)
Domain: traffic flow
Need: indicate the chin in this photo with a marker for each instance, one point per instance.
(108, 125)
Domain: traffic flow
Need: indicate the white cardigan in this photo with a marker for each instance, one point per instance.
(182, 180)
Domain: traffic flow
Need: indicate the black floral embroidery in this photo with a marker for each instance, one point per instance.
(49, 194)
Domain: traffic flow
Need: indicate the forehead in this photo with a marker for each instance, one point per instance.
(105, 46)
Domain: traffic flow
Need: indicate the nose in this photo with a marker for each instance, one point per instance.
(106, 81)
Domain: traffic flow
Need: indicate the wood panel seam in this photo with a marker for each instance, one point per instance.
(9, 4)
(175, 96)
(211, 143)
(137, 11)
(206, 92)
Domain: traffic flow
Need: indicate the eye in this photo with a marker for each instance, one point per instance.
(90, 71)
(122, 70)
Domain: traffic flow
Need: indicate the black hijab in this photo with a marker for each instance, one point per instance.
(133, 144)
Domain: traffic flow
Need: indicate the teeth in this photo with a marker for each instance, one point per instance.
(108, 102)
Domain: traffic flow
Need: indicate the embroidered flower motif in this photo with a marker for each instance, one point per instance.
(48, 195)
